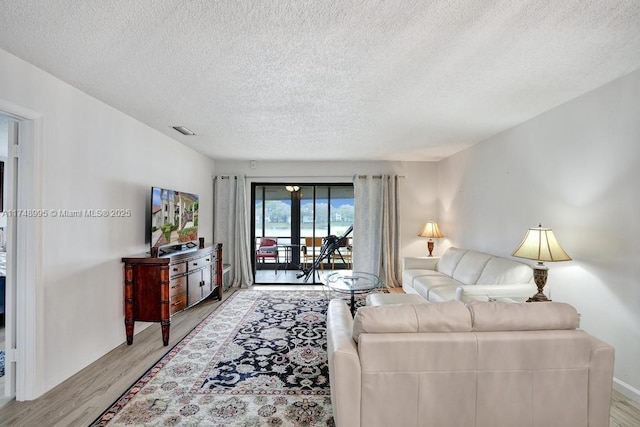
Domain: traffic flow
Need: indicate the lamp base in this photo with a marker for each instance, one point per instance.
(540, 279)
(539, 297)
(430, 247)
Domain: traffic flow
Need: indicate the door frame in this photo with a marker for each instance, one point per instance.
(24, 301)
(295, 219)
(296, 215)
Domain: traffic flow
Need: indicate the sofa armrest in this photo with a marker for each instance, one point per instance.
(423, 263)
(344, 365)
(507, 290)
(600, 382)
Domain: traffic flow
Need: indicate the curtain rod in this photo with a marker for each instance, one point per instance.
(378, 176)
(318, 177)
(306, 177)
(300, 177)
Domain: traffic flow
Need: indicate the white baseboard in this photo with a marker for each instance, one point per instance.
(626, 389)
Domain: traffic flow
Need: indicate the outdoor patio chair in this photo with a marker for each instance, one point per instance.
(268, 249)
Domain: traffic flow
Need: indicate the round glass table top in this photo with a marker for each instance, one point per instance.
(351, 281)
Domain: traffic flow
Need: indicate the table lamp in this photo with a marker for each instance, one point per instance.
(430, 230)
(540, 245)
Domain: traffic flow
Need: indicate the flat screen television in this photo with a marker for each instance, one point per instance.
(174, 220)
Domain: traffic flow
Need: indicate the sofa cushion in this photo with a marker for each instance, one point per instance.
(499, 271)
(409, 276)
(442, 293)
(423, 285)
(451, 316)
(449, 260)
(470, 267)
(535, 316)
(379, 298)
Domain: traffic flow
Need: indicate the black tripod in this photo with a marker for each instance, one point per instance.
(330, 245)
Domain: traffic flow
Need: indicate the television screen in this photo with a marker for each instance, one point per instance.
(174, 218)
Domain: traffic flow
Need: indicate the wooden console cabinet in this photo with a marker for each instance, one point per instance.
(157, 288)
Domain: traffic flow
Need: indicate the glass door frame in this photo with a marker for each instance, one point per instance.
(296, 219)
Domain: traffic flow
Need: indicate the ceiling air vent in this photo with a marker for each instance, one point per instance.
(183, 130)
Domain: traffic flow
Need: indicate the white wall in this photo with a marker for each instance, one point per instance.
(575, 169)
(418, 187)
(93, 156)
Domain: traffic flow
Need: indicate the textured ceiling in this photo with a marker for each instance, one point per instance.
(325, 80)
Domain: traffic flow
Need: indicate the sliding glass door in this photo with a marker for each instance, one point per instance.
(296, 218)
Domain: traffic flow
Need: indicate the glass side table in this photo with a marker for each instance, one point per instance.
(352, 282)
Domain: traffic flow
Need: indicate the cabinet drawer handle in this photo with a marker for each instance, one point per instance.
(176, 303)
(195, 263)
(177, 286)
(175, 268)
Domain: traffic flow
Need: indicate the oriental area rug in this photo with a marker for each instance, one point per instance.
(259, 359)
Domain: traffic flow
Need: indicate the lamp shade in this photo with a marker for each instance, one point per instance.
(541, 245)
(431, 230)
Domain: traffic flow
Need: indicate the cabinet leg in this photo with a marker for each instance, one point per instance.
(165, 331)
(128, 325)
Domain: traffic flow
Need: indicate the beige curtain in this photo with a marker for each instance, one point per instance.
(230, 227)
(376, 229)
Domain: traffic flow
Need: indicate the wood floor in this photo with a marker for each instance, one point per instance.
(624, 411)
(83, 397)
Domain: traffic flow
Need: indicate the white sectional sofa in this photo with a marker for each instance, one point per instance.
(483, 364)
(466, 275)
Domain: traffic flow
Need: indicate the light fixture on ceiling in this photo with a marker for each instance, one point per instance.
(183, 130)
(292, 188)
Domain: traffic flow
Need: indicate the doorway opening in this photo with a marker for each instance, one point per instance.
(23, 367)
(290, 222)
(8, 135)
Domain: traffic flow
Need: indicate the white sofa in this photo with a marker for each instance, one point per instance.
(465, 275)
(484, 364)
